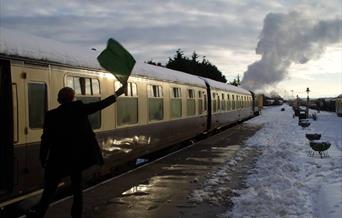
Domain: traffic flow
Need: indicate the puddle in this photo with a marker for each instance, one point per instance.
(139, 190)
(187, 205)
(140, 161)
(116, 201)
(186, 166)
(227, 148)
(152, 207)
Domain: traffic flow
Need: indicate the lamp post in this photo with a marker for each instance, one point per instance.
(307, 102)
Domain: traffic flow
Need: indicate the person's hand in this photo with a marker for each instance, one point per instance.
(121, 90)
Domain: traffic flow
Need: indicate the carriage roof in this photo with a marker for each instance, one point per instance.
(18, 44)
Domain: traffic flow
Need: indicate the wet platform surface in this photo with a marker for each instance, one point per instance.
(162, 189)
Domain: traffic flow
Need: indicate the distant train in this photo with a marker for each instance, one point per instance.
(272, 101)
(324, 104)
(162, 107)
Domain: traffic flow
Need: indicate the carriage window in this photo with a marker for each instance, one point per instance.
(241, 101)
(233, 102)
(77, 85)
(205, 102)
(155, 91)
(155, 102)
(191, 93)
(200, 102)
(37, 100)
(69, 81)
(83, 86)
(214, 103)
(176, 103)
(191, 103)
(228, 103)
(176, 92)
(95, 87)
(127, 105)
(223, 103)
(15, 112)
(87, 86)
(131, 89)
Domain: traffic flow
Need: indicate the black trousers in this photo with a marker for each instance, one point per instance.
(50, 188)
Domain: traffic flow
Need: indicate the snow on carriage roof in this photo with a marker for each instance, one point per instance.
(14, 43)
(18, 44)
(165, 74)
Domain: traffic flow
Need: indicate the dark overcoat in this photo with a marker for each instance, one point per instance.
(68, 143)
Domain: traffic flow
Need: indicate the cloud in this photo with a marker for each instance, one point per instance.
(289, 38)
(193, 24)
(224, 31)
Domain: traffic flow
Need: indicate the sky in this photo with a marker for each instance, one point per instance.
(226, 32)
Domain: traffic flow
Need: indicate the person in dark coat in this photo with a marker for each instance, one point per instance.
(69, 146)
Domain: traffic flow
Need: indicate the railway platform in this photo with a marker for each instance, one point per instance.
(163, 187)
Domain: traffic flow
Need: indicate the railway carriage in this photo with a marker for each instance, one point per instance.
(161, 107)
(229, 104)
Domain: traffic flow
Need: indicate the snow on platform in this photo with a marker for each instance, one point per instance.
(286, 181)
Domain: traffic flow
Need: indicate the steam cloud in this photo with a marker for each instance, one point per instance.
(285, 39)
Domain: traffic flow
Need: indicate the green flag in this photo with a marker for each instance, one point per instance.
(117, 60)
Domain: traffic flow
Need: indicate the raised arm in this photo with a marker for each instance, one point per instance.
(96, 106)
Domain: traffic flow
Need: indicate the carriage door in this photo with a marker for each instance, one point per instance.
(6, 133)
(36, 92)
